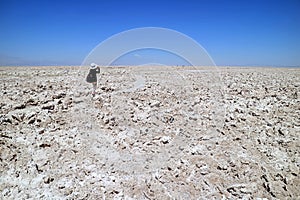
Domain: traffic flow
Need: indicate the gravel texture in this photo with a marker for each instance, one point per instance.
(150, 133)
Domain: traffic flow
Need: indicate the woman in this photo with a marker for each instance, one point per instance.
(92, 77)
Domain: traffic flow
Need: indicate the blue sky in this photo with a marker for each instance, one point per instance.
(264, 32)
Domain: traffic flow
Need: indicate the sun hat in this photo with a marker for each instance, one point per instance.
(93, 66)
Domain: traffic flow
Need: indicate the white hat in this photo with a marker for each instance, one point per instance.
(93, 66)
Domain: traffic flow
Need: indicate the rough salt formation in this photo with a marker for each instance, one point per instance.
(150, 133)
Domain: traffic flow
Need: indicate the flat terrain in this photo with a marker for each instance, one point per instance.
(150, 133)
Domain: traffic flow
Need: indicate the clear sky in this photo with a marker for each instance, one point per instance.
(59, 32)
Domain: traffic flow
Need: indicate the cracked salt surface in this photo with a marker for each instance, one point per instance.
(158, 140)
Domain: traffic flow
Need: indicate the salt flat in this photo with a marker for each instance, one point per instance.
(150, 133)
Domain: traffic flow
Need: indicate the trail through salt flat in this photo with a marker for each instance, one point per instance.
(139, 83)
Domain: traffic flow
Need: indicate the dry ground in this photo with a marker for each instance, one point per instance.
(150, 133)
